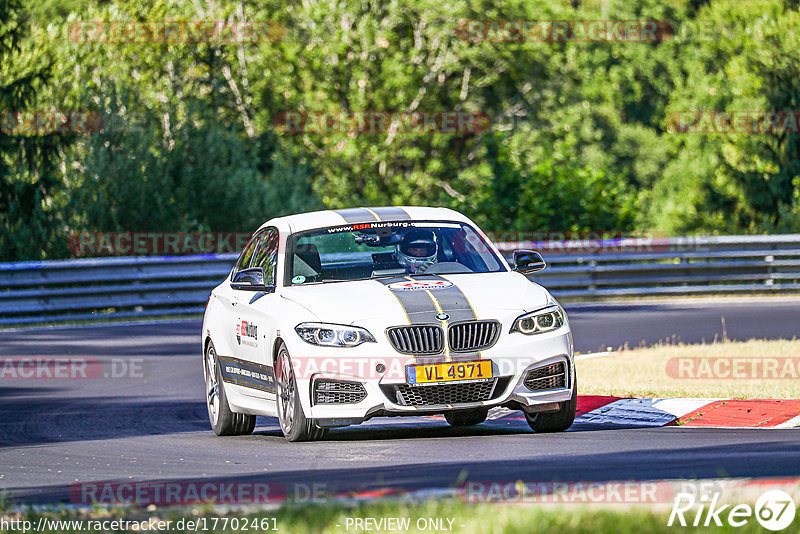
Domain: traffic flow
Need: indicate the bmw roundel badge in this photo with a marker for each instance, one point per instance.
(442, 316)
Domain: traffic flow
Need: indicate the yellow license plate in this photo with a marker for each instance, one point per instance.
(449, 372)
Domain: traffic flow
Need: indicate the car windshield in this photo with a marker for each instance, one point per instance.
(386, 249)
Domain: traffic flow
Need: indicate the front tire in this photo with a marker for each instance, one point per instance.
(556, 421)
(294, 424)
(466, 417)
(222, 419)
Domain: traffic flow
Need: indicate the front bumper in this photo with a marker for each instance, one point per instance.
(512, 359)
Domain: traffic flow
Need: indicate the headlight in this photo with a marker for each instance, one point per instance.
(333, 335)
(538, 322)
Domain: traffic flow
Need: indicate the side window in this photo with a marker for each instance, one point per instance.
(266, 255)
(247, 254)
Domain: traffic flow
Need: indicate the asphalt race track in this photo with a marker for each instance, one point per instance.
(153, 426)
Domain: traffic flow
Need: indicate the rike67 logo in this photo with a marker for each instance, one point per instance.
(246, 329)
(774, 510)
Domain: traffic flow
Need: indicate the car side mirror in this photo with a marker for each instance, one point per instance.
(528, 261)
(251, 279)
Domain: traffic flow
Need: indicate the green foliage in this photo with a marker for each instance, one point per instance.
(29, 180)
(195, 175)
(524, 193)
(736, 182)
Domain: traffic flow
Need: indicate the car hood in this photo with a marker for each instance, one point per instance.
(397, 301)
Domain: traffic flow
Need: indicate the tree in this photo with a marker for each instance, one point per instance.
(30, 181)
(745, 181)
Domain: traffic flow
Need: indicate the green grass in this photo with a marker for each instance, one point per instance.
(643, 372)
(480, 518)
(5, 500)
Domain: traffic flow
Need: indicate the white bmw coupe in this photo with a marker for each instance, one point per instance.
(334, 317)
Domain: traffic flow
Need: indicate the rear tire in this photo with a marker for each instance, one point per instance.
(294, 424)
(466, 417)
(556, 421)
(223, 421)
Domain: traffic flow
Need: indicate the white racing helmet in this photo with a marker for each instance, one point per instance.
(417, 248)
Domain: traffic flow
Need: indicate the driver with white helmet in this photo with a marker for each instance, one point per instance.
(417, 250)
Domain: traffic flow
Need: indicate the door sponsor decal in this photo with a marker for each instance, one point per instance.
(247, 374)
(246, 329)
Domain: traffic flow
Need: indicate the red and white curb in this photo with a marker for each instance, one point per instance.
(747, 413)
(690, 412)
(604, 410)
(722, 413)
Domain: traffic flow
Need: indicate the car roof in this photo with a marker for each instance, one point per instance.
(326, 218)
